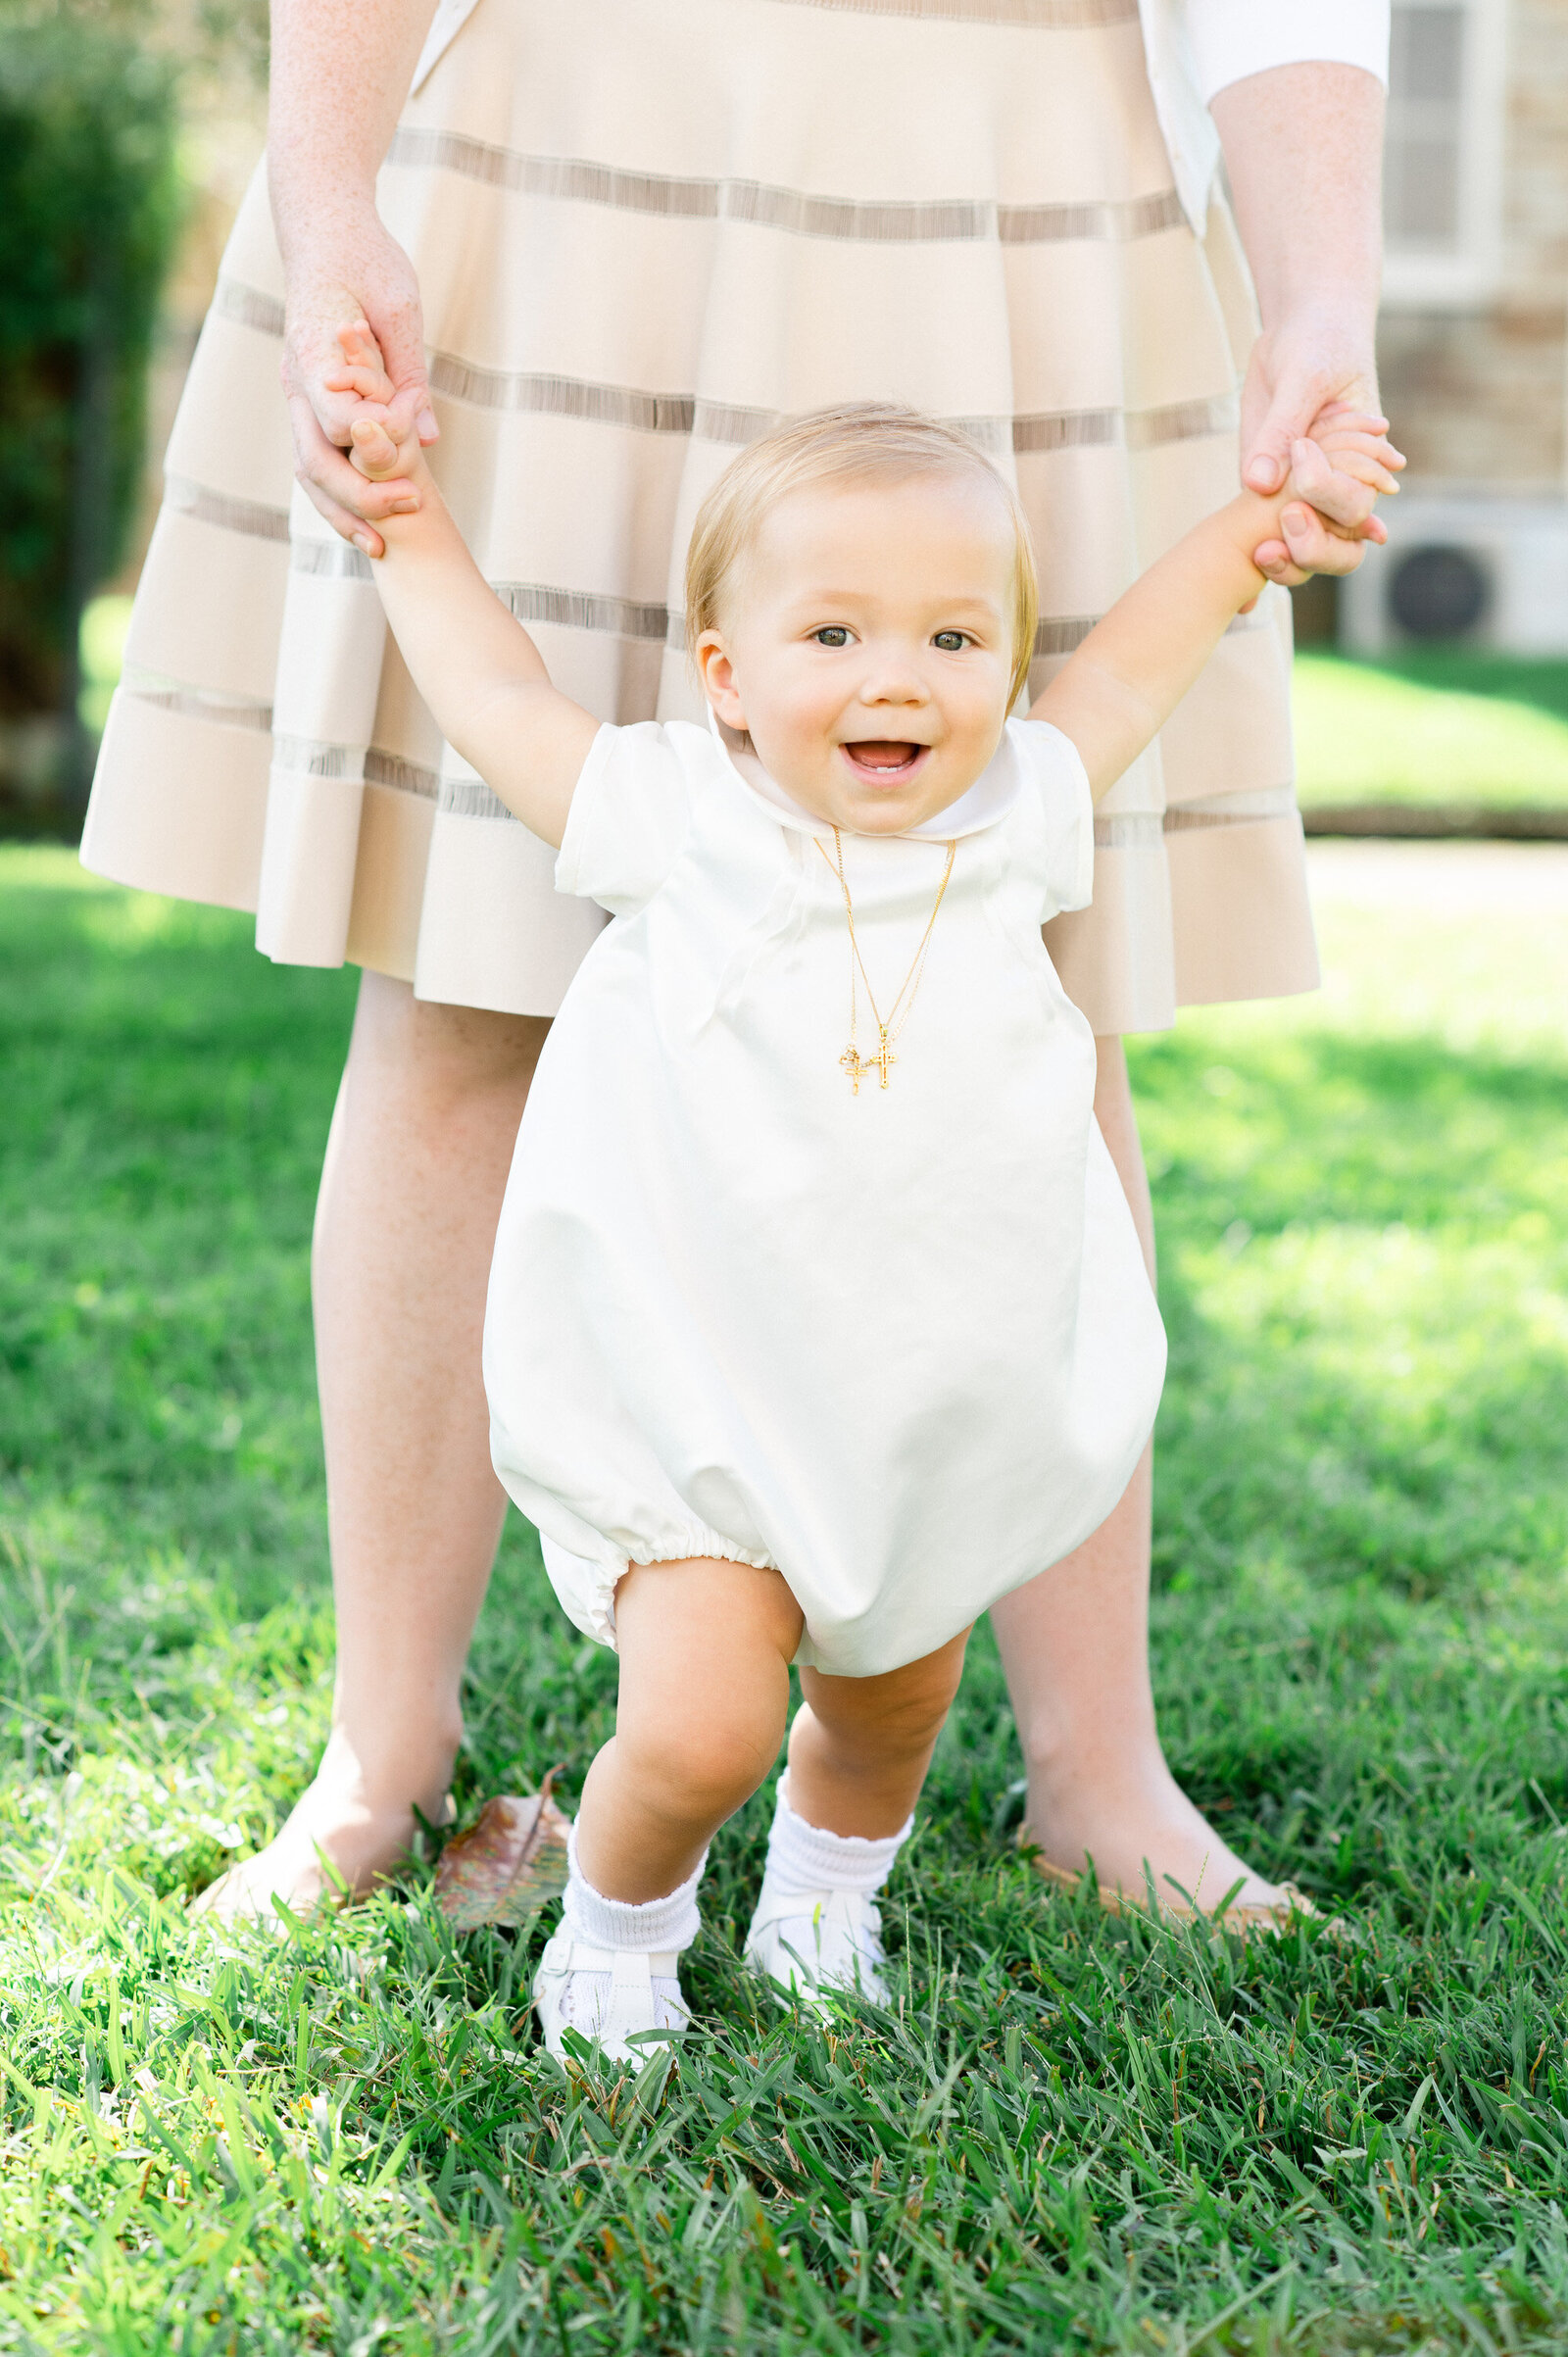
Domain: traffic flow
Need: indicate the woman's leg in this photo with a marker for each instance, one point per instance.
(1075, 1648)
(416, 1164)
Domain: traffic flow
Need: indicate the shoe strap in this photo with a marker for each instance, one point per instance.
(628, 1968)
(853, 1910)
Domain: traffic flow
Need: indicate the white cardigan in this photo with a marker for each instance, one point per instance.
(1197, 47)
(1194, 48)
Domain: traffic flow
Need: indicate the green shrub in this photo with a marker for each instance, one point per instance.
(89, 214)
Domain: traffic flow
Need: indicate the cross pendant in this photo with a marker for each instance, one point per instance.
(852, 1062)
(883, 1057)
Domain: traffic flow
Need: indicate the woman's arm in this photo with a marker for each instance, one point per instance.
(339, 79)
(476, 667)
(1303, 148)
(1123, 683)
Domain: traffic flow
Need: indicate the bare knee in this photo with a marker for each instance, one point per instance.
(700, 1775)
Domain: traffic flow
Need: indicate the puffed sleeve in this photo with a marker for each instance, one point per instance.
(1233, 39)
(629, 818)
(1061, 783)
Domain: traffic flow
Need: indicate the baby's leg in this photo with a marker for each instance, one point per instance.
(858, 1753)
(860, 1749)
(704, 1688)
(705, 1681)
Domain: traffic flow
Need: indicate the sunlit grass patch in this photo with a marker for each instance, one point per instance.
(1366, 735)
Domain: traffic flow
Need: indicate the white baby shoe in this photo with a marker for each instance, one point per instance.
(610, 1997)
(815, 1942)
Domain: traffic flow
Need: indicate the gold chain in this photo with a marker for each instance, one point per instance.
(860, 1067)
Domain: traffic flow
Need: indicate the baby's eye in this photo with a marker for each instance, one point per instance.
(950, 642)
(833, 635)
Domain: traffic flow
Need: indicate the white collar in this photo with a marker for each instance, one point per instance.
(990, 797)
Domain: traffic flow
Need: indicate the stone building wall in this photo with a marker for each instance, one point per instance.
(1480, 396)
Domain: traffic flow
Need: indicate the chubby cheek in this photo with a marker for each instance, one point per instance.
(974, 728)
(808, 724)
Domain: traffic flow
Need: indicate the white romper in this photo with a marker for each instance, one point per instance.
(900, 1343)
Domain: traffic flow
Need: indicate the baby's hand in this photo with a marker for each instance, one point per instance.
(1345, 445)
(383, 441)
(1344, 441)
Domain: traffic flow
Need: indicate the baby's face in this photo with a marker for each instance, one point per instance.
(869, 652)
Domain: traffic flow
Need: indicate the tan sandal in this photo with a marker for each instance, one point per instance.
(1270, 1918)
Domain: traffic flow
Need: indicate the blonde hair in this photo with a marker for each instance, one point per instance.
(861, 441)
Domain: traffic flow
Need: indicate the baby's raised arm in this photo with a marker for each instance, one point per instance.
(476, 667)
(1126, 679)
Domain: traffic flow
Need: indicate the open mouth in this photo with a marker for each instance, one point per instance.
(884, 760)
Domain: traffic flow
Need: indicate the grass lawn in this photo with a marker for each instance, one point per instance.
(1432, 727)
(1071, 2133)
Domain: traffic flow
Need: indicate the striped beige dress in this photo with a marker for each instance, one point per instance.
(644, 230)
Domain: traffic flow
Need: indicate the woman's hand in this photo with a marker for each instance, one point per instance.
(1303, 146)
(1301, 377)
(352, 270)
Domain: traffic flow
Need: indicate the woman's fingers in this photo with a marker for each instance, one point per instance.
(1336, 497)
(1307, 364)
(333, 484)
(1339, 437)
(1374, 421)
(343, 520)
(398, 326)
(1362, 467)
(355, 336)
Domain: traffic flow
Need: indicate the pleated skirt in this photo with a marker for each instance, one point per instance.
(644, 232)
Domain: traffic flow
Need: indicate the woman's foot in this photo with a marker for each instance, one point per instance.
(336, 1844)
(1149, 1846)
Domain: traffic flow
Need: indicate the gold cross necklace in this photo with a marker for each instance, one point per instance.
(860, 1067)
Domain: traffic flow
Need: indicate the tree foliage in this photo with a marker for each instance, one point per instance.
(89, 213)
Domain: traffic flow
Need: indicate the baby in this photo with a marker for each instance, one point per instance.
(818, 1320)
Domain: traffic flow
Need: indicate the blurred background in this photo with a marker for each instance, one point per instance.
(1433, 693)
(128, 129)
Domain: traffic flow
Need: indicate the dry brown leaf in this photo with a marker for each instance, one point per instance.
(510, 1862)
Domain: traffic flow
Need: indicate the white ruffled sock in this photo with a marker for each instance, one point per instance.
(655, 1928)
(805, 1859)
(837, 1943)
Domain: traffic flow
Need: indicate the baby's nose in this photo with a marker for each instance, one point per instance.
(896, 683)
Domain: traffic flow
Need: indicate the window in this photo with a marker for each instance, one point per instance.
(1442, 185)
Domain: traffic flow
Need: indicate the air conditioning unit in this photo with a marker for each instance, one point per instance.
(1491, 572)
